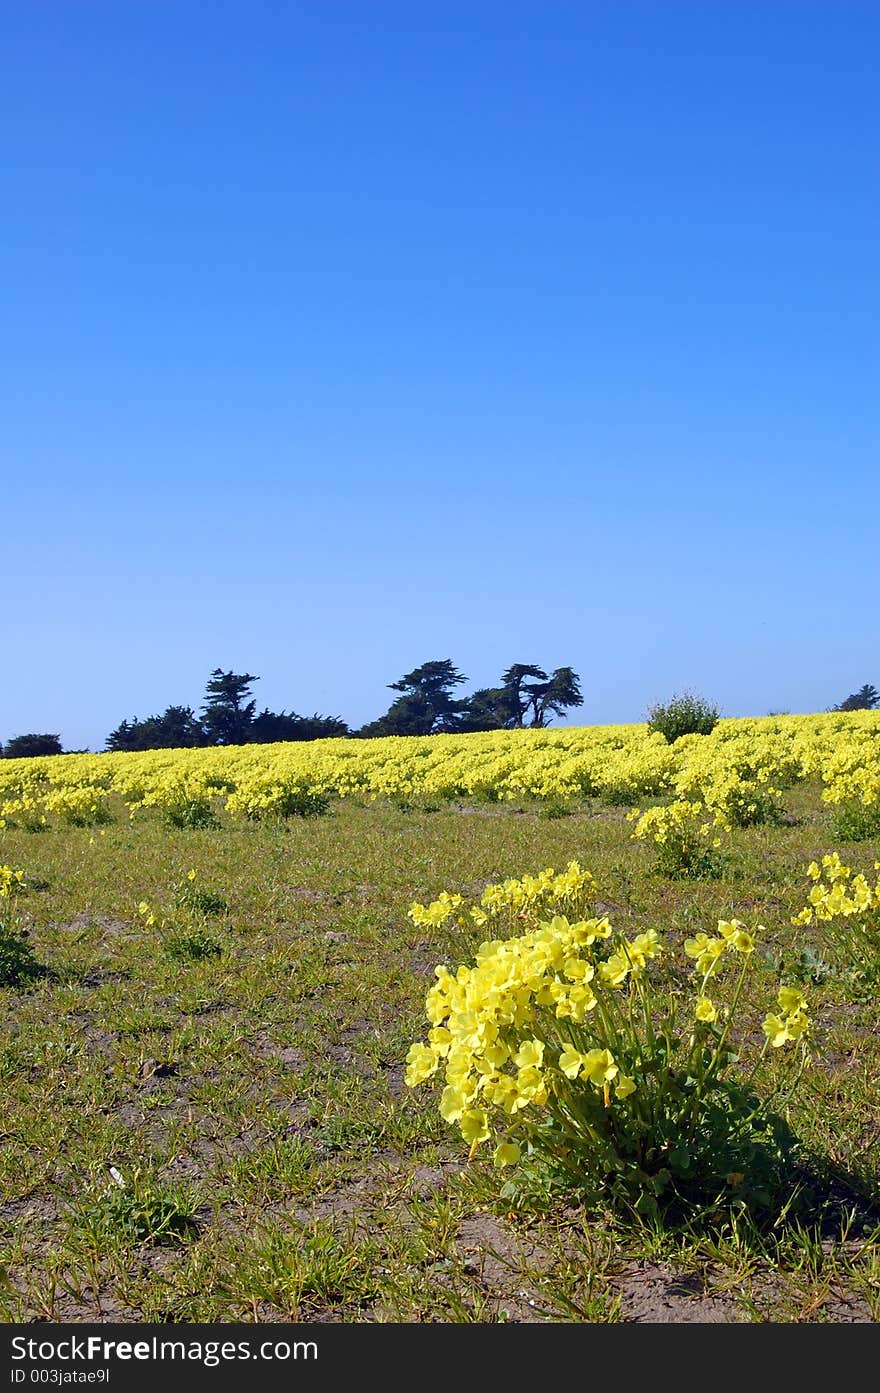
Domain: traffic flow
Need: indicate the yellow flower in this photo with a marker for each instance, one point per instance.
(791, 1000)
(529, 1055)
(440, 1039)
(576, 970)
(736, 937)
(615, 970)
(421, 1064)
(10, 881)
(599, 1067)
(474, 1126)
(624, 1086)
(705, 950)
(645, 945)
(575, 1003)
(452, 1103)
(503, 1092)
(797, 1025)
(530, 1088)
(706, 1010)
(570, 1062)
(507, 1153)
(776, 1030)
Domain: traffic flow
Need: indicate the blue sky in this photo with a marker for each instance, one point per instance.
(343, 336)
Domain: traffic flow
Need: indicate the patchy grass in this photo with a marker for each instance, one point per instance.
(245, 1081)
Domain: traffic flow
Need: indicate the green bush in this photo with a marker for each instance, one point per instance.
(856, 822)
(17, 961)
(684, 714)
(197, 900)
(141, 1210)
(195, 812)
(191, 945)
(303, 802)
(265, 797)
(686, 839)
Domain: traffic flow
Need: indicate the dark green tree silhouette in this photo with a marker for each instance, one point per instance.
(177, 728)
(519, 702)
(426, 705)
(227, 715)
(489, 708)
(867, 698)
(28, 746)
(520, 692)
(554, 696)
(271, 726)
(408, 715)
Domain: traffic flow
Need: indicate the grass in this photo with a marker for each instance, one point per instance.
(244, 1078)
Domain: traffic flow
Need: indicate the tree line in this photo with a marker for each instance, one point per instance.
(526, 696)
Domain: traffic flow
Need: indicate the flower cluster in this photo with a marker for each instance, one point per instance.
(482, 1018)
(264, 795)
(551, 1041)
(685, 835)
(531, 896)
(678, 819)
(11, 882)
(837, 892)
(850, 905)
(791, 1022)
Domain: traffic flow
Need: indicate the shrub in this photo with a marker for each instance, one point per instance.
(564, 1049)
(79, 807)
(185, 800)
(686, 838)
(141, 1210)
(751, 803)
(11, 882)
(266, 797)
(23, 812)
(850, 906)
(17, 961)
(196, 812)
(191, 945)
(32, 746)
(183, 942)
(198, 900)
(685, 714)
(856, 822)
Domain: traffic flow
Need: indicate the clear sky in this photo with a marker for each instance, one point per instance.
(342, 336)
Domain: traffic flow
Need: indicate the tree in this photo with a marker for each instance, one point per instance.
(29, 746)
(489, 708)
(867, 698)
(408, 715)
(561, 690)
(426, 705)
(271, 726)
(126, 736)
(226, 715)
(177, 728)
(521, 694)
(508, 706)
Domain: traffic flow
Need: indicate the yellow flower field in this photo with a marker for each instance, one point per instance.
(738, 771)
